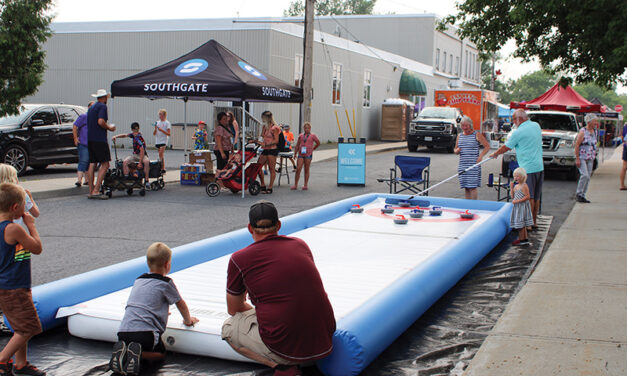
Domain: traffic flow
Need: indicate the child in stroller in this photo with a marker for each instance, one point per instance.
(231, 175)
(136, 170)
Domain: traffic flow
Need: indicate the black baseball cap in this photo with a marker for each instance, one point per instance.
(263, 210)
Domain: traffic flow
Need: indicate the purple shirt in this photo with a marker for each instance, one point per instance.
(81, 125)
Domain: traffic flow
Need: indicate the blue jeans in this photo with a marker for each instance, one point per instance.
(585, 171)
(83, 158)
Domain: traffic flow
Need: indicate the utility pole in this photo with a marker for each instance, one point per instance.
(307, 62)
(493, 78)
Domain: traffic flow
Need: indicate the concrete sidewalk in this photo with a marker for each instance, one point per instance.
(59, 187)
(570, 318)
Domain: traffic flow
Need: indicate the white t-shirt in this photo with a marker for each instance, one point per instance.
(161, 138)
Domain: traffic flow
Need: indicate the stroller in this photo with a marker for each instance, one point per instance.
(234, 180)
(115, 180)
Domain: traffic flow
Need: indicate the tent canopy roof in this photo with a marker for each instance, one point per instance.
(210, 72)
(558, 98)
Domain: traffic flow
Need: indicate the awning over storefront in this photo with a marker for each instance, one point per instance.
(412, 84)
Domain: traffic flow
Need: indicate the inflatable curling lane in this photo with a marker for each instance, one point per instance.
(380, 276)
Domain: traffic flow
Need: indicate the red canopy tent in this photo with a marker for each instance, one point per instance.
(559, 98)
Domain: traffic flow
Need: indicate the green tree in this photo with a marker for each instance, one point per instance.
(531, 85)
(608, 97)
(486, 77)
(332, 7)
(585, 38)
(23, 29)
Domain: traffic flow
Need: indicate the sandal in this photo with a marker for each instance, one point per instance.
(305, 188)
(267, 191)
(78, 184)
(293, 188)
(262, 188)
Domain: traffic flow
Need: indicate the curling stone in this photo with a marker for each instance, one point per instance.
(387, 209)
(416, 213)
(357, 209)
(467, 215)
(404, 204)
(436, 210)
(400, 220)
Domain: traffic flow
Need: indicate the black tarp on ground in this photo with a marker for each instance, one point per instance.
(210, 72)
(442, 341)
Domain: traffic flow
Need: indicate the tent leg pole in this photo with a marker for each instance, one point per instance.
(243, 133)
(184, 126)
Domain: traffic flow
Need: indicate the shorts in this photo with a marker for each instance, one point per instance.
(98, 152)
(135, 159)
(19, 310)
(242, 330)
(624, 153)
(534, 182)
(146, 339)
(305, 156)
(159, 146)
(273, 152)
(83, 157)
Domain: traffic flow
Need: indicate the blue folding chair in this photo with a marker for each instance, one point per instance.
(414, 174)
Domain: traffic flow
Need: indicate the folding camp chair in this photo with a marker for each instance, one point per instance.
(414, 174)
(502, 186)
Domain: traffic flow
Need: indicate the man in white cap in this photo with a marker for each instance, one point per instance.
(97, 127)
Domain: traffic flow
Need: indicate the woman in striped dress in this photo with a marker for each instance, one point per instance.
(521, 217)
(467, 146)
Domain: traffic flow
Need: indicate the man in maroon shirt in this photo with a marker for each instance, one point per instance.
(292, 322)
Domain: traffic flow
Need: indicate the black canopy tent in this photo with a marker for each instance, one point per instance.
(210, 72)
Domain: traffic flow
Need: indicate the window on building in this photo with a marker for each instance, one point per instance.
(466, 65)
(450, 63)
(444, 62)
(367, 87)
(337, 83)
(437, 58)
(478, 70)
(457, 66)
(420, 102)
(298, 70)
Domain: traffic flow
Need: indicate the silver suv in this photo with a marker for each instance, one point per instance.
(559, 130)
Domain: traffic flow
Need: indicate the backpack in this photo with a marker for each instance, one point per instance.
(281, 144)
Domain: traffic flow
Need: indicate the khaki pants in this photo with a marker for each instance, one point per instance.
(242, 330)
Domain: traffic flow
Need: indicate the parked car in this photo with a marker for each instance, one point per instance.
(41, 134)
(559, 130)
(434, 127)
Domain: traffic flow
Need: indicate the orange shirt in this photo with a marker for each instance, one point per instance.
(289, 138)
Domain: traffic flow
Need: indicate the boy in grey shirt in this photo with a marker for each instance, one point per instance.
(146, 314)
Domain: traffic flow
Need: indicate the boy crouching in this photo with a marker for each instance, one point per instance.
(146, 314)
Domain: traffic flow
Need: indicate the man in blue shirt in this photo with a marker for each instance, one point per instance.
(527, 140)
(97, 127)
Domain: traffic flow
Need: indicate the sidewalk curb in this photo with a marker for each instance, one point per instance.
(78, 191)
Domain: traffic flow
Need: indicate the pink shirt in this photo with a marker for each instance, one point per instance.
(225, 137)
(306, 141)
(268, 136)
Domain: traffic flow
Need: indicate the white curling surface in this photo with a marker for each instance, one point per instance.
(358, 256)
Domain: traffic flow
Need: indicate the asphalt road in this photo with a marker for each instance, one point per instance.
(81, 235)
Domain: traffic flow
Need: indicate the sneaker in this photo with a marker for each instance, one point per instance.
(520, 242)
(148, 186)
(133, 357)
(28, 370)
(117, 357)
(582, 199)
(6, 368)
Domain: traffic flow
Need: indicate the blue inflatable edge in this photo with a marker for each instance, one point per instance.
(363, 334)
